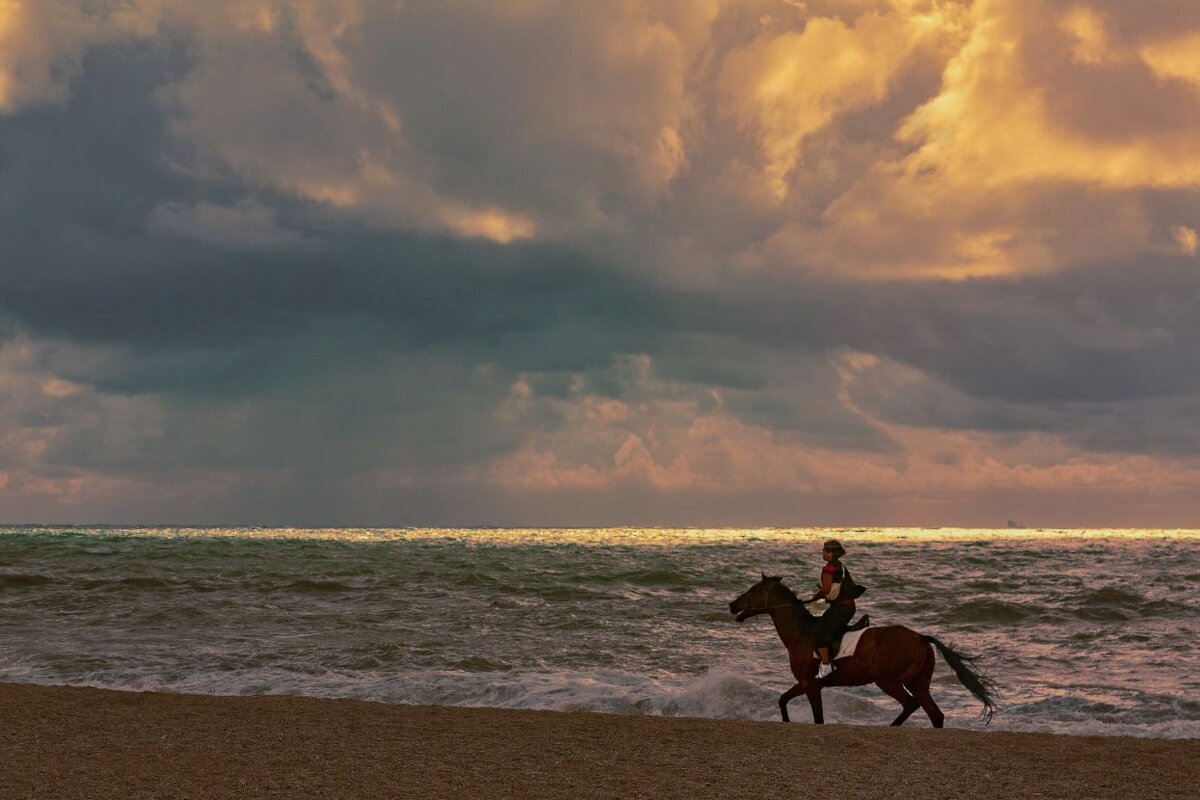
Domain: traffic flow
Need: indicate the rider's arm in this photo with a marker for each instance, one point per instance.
(826, 585)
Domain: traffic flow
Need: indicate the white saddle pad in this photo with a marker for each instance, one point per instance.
(849, 644)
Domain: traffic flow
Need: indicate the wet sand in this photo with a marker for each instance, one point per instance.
(61, 742)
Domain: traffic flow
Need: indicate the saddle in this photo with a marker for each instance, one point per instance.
(863, 622)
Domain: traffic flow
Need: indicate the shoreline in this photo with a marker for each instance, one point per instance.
(60, 741)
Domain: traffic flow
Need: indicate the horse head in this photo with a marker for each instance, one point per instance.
(761, 598)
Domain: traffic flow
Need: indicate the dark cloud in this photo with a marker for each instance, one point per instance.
(180, 308)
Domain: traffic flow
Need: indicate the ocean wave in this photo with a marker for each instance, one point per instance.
(24, 579)
(172, 616)
(1130, 709)
(978, 612)
(717, 695)
(879, 582)
(132, 582)
(1115, 605)
(984, 585)
(480, 664)
(569, 593)
(652, 578)
(472, 579)
(138, 582)
(1104, 614)
(1111, 596)
(313, 585)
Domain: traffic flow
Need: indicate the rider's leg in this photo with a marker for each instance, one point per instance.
(826, 669)
(832, 622)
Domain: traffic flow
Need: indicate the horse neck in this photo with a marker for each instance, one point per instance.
(793, 623)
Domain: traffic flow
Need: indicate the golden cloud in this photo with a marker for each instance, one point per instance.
(876, 138)
(995, 122)
(1177, 58)
(784, 87)
(1185, 239)
(1029, 156)
(9, 20)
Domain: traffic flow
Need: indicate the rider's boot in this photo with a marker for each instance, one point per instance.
(863, 622)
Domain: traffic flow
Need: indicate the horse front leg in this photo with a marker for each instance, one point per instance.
(786, 697)
(814, 700)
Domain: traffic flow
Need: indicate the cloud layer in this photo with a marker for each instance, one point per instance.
(668, 262)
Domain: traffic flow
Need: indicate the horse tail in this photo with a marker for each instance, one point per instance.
(980, 685)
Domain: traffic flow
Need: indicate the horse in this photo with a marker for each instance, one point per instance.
(896, 659)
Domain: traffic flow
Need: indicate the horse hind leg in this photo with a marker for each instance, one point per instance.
(931, 708)
(908, 703)
(920, 691)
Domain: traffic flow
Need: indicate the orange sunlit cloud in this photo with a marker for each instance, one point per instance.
(1008, 127)
(674, 445)
(1017, 110)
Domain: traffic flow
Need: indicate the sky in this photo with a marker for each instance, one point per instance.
(639, 262)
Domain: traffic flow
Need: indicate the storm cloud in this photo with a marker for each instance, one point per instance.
(637, 262)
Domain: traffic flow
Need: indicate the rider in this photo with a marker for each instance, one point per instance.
(840, 610)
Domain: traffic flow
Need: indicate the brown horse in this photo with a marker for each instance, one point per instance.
(896, 659)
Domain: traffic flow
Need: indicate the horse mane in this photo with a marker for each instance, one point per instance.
(796, 602)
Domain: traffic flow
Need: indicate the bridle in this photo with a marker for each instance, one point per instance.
(771, 607)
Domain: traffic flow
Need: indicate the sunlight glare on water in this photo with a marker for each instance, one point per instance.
(649, 536)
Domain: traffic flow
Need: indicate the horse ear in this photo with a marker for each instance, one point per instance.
(764, 575)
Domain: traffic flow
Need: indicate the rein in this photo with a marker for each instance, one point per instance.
(777, 605)
(796, 602)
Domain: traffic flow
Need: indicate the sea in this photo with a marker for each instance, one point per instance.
(1084, 631)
